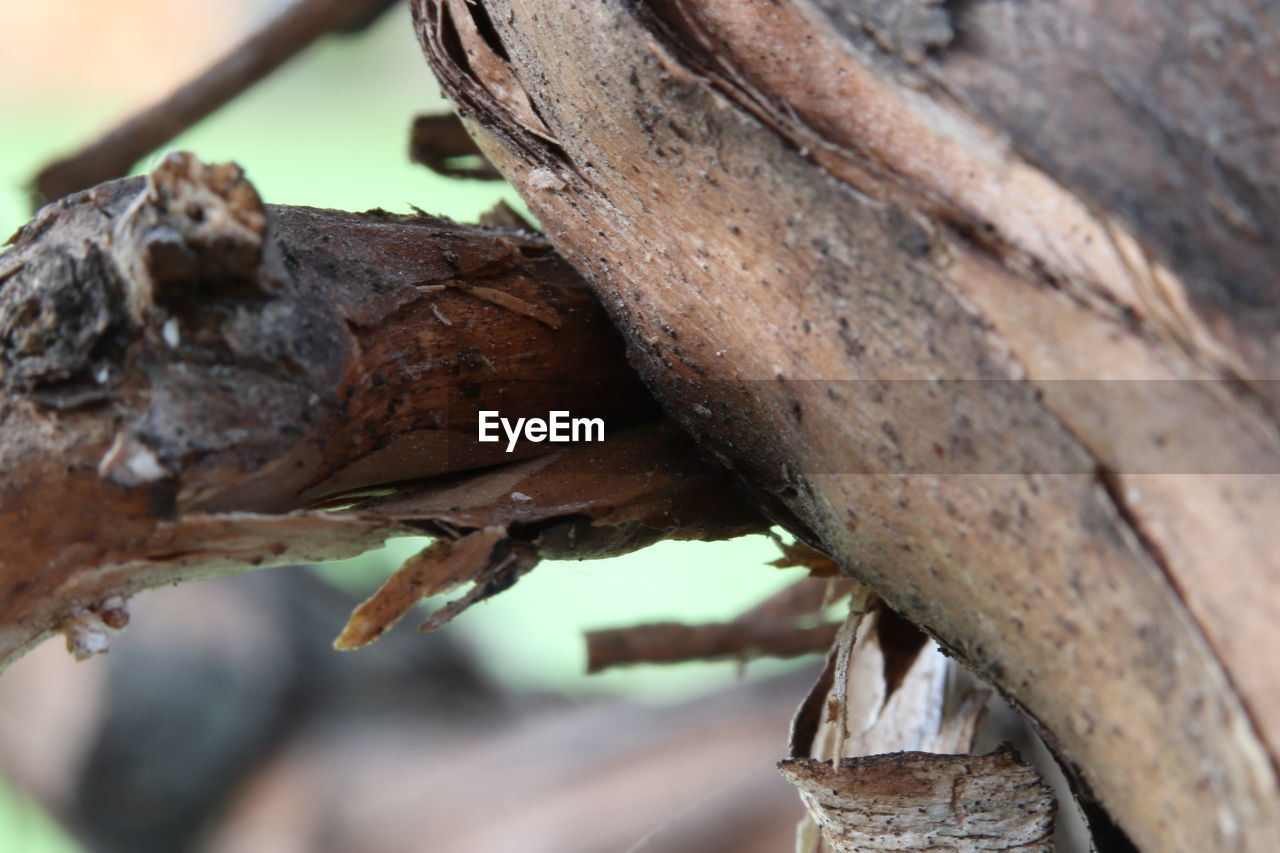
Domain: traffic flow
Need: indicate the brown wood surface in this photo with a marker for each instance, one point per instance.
(183, 366)
(980, 299)
(900, 802)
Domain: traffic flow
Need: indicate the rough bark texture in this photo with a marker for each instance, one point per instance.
(879, 257)
(183, 366)
(927, 803)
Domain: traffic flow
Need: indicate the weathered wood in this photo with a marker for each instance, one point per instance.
(182, 366)
(889, 726)
(927, 803)
(582, 502)
(882, 272)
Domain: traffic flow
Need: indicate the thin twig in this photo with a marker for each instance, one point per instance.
(672, 642)
(783, 625)
(440, 142)
(114, 154)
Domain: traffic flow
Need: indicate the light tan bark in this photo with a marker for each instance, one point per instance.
(928, 803)
(889, 267)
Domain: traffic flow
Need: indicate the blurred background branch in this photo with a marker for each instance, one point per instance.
(283, 37)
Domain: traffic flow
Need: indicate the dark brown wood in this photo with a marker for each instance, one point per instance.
(787, 624)
(440, 142)
(675, 642)
(182, 365)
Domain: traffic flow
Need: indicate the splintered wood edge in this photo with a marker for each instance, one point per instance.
(927, 802)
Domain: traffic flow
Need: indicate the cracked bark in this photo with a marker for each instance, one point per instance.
(880, 264)
(190, 379)
(899, 802)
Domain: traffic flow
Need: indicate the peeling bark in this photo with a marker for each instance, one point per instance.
(976, 298)
(193, 382)
(644, 485)
(891, 713)
(929, 803)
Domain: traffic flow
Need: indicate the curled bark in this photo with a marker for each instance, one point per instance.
(884, 736)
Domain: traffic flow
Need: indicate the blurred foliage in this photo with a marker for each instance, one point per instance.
(531, 635)
(330, 129)
(25, 828)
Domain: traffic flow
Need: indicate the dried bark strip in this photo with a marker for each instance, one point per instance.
(697, 194)
(441, 567)
(920, 801)
(643, 485)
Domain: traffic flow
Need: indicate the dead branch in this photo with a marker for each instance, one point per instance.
(184, 366)
(442, 144)
(673, 642)
(282, 38)
(783, 625)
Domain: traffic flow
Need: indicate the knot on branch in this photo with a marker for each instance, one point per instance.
(198, 231)
(57, 313)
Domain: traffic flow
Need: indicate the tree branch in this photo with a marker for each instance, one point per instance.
(786, 624)
(286, 35)
(183, 366)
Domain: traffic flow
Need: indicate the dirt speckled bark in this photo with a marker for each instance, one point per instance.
(818, 250)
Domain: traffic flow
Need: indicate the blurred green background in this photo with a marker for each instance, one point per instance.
(330, 129)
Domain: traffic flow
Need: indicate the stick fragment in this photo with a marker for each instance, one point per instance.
(282, 38)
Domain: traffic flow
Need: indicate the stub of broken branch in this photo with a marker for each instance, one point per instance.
(440, 142)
